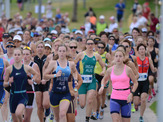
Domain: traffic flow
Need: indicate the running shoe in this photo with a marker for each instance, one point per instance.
(101, 116)
(132, 108)
(154, 93)
(97, 114)
(76, 112)
(10, 118)
(51, 118)
(47, 112)
(109, 97)
(141, 119)
(149, 98)
(93, 116)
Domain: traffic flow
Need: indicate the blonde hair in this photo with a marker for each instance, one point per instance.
(40, 42)
(73, 41)
(118, 50)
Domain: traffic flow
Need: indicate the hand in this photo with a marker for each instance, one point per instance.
(76, 84)
(102, 73)
(129, 99)
(101, 90)
(30, 81)
(59, 73)
(72, 92)
(76, 94)
(11, 80)
(155, 69)
(43, 81)
(155, 60)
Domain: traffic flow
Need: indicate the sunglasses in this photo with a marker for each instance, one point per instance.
(26, 47)
(101, 47)
(35, 36)
(90, 43)
(71, 47)
(126, 46)
(10, 46)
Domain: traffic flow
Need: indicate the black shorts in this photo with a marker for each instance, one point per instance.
(30, 103)
(71, 109)
(41, 87)
(143, 87)
(151, 73)
(119, 17)
(99, 79)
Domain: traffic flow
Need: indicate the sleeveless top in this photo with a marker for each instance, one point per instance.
(153, 56)
(98, 68)
(120, 84)
(60, 84)
(20, 80)
(87, 65)
(10, 60)
(1, 71)
(143, 68)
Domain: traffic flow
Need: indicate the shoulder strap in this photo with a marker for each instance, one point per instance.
(31, 64)
(57, 63)
(67, 63)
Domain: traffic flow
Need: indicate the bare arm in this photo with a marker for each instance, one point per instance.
(78, 57)
(36, 68)
(134, 69)
(99, 59)
(7, 75)
(151, 65)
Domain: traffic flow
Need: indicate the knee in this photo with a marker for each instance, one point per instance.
(143, 100)
(62, 114)
(89, 101)
(56, 119)
(19, 114)
(46, 106)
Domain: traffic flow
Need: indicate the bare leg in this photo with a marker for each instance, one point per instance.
(71, 117)
(56, 113)
(27, 115)
(143, 103)
(115, 117)
(4, 109)
(82, 100)
(19, 112)
(63, 107)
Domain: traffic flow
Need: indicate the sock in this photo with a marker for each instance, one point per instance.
(87, 118)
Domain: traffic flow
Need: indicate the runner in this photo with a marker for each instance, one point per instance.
(121, 97)
(41, 90)
(30, 87)
(143, 84)
(60, 95)
(106, 58)
(18, 73)
(87, 92)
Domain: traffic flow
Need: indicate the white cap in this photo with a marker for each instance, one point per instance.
(79, 31)
(102, 17)
(144, 30)
(38, 29)
(112, 18)
(48, 45)
(54, 32)
(20, 32)
(17, 37)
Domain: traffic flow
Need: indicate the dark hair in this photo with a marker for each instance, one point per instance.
(127, 41)
(151, 37)
(89, 39)
(140, 46)
(122, 47)
(91, 34)
(150, 32)
(103, 33)
(100, 42)
(137, 29)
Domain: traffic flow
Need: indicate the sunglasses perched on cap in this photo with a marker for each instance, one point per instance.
(71, 47)
(26, 48)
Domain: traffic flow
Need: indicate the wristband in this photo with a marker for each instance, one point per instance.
(102, 85)
(75, 89)
(54, 75)
(33, 80)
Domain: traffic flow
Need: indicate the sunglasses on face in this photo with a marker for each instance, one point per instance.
(126, 46)
(71, 47)
(10, 46)
(35, 35)
(101, 47)
(90, 43)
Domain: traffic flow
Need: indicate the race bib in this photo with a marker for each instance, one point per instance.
(87, 78)
(142, 76)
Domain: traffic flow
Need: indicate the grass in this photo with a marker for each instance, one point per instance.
(105, 7)
(153, 107)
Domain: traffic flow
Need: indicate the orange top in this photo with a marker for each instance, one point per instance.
(93, 20)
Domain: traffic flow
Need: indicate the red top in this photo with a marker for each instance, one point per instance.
(1, 33)
(146, 13)
(153, 27)
(143, 65)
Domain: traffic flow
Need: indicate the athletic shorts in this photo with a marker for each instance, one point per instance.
(41, 87)
(16, 99)
(71, 109)
(99, 79)
(87, 86)
(143, 87)
(2, 94)
(31, 97)
(119, 17)
(56, 98)
(151, 73)
(117, 106)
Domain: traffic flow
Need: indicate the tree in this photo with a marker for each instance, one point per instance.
(74, 16)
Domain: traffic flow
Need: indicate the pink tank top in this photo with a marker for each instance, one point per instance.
(120, 85)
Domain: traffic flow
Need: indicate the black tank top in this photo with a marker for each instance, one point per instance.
(153, 56)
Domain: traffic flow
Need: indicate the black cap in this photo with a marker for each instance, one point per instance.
(46, 29)
(6, 35)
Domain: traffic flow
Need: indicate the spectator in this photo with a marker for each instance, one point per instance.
(87, 25)
(113, 24)
(134, 24)
(92, 18)
(153, 22)
(90, 10)
(49, 13)
(142, 21)
(19, 2)
(139, 10)
(120, 7)
(146, 10)
(1, 31)
(134, 8)
(101, 25)
(58, 13)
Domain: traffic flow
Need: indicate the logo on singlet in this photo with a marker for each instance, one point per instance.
(17, 73)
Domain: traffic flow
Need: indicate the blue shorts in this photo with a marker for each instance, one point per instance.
(16, 99)
(120, 105)
(2, 94)
(56, 98)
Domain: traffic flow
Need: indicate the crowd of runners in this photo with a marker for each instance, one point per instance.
(43, 61)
